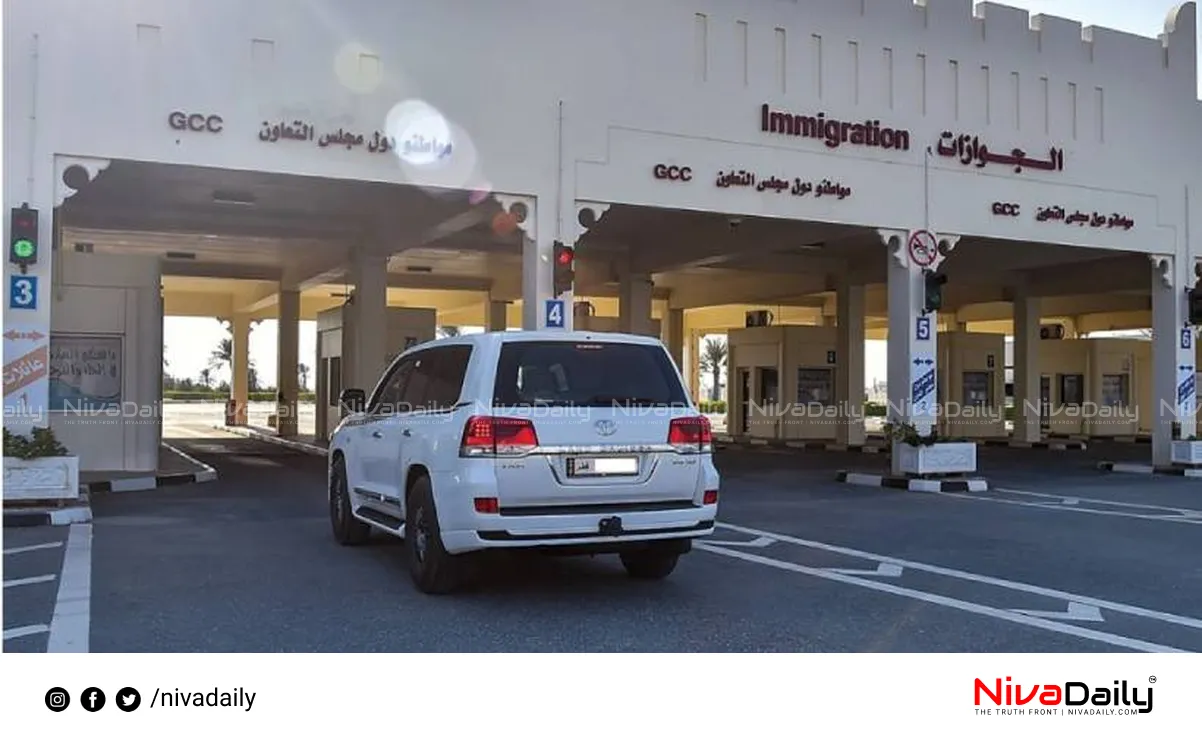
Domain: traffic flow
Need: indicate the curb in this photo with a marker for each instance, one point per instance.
(16, 517)
(1140, 439)
(1148, 469)
(913, 484)
(1055, 445)
(742, 442)
(251, 433)
(205, 473)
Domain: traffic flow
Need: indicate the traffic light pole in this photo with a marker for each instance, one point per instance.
(1174, 357)
(913, 335)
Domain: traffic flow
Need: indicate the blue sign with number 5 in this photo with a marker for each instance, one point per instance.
(23, 293)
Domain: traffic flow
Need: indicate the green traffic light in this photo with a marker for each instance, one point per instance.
(23, 249)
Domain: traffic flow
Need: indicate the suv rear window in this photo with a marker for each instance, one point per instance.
(574, 373)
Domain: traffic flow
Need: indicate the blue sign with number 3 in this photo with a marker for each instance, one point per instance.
(23, 293)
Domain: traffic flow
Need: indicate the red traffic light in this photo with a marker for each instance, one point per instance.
(564, 255)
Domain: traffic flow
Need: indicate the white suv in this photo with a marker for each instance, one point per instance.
(571, 442)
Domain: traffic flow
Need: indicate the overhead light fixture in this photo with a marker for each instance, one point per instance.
(234, 198)
(178, 255)
(84, 248)
(419, 269)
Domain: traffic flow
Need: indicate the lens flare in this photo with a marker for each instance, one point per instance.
(422, 135)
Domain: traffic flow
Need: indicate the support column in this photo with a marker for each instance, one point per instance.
(537, 283)
(287, 361)
(693, 359)
(849, 370)
(498, 316)
(240, 366)
(674, 336)
(1027, 403)
(634, 304)
(1174, 389)
(367, 328)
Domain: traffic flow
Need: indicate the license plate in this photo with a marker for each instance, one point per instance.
(602, 466)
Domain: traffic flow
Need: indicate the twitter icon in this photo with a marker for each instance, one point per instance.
(128, 699)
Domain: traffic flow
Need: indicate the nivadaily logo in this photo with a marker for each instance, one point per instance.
(1072, 697)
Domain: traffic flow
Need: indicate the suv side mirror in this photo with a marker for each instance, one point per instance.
(354, 400)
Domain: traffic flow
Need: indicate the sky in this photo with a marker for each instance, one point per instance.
(189, 341)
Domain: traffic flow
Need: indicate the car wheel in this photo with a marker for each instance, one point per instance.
(433, 569)
(649, 564)
(348, 530)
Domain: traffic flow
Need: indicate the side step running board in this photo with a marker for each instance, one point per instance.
(380, 520)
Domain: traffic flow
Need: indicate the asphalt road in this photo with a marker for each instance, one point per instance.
(1058, 558)
(32, 562)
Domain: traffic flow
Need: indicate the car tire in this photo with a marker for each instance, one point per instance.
(433, 569)
(348, 530)
(649, 564)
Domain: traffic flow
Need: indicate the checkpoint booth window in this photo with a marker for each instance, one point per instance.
(769, 385)
(334, 383)
(1072, 388)
(978, 389)
(1116, 390)
(815, 386)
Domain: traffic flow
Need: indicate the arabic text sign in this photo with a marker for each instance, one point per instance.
(85, 371)
(923, 389)
(970, 150)
(777, 185)
(1187, 388)
(25, 370)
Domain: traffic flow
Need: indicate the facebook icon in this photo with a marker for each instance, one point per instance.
(92, 699)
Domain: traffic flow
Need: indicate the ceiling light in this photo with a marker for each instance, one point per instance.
(178, 255)
(419, 269)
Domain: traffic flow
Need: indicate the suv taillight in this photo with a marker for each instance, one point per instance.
(489, 436)
(691, 435)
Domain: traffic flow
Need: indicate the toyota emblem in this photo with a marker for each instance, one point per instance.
(606, 428)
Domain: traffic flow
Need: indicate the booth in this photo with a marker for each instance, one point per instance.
(784, 385)
(1096, 386)
(782, 382)
(971, 385)
(406, 327)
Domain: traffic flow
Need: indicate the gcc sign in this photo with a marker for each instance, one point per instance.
(181, 122)
(673, 173)
(1003, 209)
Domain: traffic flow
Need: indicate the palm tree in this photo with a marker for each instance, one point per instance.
(713, 361)
(223, 356)
(206, 377)
(302, 369)
(448, 331)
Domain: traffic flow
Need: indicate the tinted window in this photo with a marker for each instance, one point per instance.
(388, 394)
(444, 376)
(576, 373)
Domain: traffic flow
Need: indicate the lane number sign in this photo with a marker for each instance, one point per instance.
(23, 293)
(554, 313)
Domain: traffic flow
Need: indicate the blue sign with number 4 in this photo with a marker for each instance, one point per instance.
(23, 293)
(554, 313)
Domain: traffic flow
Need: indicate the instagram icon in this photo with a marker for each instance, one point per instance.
(57, 699)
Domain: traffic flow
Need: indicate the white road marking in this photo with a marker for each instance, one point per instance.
(757, 542)
(931, 598)
(31, 548)
(1173, 517)
(32, 629)
(885, 570)
(1137, 611)
(1075, 500)
(1076, 611)
(17, 582)
(71, 623)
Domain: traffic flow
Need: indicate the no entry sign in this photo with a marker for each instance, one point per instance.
(923, 248)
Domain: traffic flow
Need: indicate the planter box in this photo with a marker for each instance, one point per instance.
(46, 478)
(1187, 452)
(937, 459)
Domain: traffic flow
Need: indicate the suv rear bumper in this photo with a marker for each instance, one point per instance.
(583, 529)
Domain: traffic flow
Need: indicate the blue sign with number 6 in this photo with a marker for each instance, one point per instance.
(23, 293)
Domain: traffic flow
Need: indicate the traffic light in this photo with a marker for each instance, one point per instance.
(23, 236)
(932, 296)
(1195, 304)
(565, 269)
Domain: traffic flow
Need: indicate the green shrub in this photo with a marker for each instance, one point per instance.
(40, 443)
(220, 396)
(712, 407)
(875, 410)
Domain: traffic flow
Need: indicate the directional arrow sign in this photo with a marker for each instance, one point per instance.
(1076, 612)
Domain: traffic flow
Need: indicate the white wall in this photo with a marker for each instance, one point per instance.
(114, 295)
